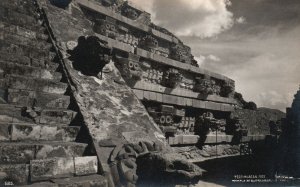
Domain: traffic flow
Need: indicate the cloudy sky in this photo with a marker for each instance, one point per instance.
(254, 42)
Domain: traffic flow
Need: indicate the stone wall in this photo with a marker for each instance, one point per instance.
(38, 139)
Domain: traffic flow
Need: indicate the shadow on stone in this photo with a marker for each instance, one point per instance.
(61, 3)
(161, 170)
(90, 55)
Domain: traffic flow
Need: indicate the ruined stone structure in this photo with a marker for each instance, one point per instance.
(92, 93)
(291, 138)
(37, 136)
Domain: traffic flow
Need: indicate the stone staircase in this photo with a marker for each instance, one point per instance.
(37, 142)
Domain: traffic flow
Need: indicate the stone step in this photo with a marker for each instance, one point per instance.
(35, 84)
(17, 174)
(23, 31)
(47, 169)
(39, 184)
(21, 6)
(17, 114)
(19, 19)
(25, 60)
(52, 170)
(28, 71)
(38, 99)
(12, 38)
(28, 132)
(86, 181)
(18, 48)
(23, 152)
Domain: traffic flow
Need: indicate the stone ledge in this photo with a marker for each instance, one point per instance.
(15, 18)
(38, 99)
(41, 184)
(23, 31)
(213, 139)
(8, 47)
(28, 71)
(182, 101)
(18, 6)
(21, 152)
(18, 114)
(16, 173)
(141, 85)
(34, 132)
(183, 140)
(47, 169)
(17, 40)
(35, 84)
(24, 60)
(86, 181)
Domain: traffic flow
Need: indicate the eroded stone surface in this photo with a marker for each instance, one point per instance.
(16, 153)
(86, 165)
(16, 173)
(86, 181)
(60, 150)
(4, 132)
(51, 168)
(113, 103)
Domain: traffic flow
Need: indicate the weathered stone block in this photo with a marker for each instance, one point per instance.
(51, 168)
(18, 19)
(62, 149)
(15, 173)
(198, 104)
(38, 99)
(213, 106)
(169, 99)
(4, 132)
(12, 68)
(159, 97)
(50, 133)
(139, 94)
(212, 139)
(86, 181)
(56, 116)
(152, 96)
(25, 132)
(57, 87)
(183, 140)
(5, 118)
(70, 133)
(41, 85)
(21, 50)
(41, 184)
(188, 102)
(86, 165)
(14, 153)
(3, 93)
(12, 114)
(15, 58)
(1, 73)
(17, 39)
(19, 6)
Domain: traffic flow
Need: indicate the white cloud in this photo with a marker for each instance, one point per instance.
(213, 58)
(241, 20)
(200, 60)
(265, 66)
(202, 18)
(144, 5)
